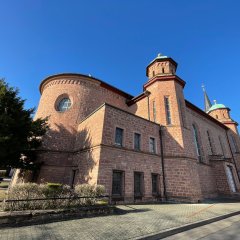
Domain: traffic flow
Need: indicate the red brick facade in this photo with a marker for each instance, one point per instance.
(80, 146)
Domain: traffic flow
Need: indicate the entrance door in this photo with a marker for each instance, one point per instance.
(231, 179)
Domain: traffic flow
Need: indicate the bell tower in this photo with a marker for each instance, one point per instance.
(160, 66)
(222, 114)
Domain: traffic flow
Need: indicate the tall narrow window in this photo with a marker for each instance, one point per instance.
(138, 184)
(231, 180)
(119, 137)
(197, 144)
(154, 111)
(210, 143)
(222, 146)
(137, 141)
(168, 111)
(155, 184)
(234, 144)
(152, 145)
(73, 177)
(117, 183)
(182, 111)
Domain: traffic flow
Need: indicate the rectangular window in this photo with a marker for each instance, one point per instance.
(168, 112)
(137, 141)
(155, 184)
(138, 184)
(152, 145)
(117, 183)
(119, 137)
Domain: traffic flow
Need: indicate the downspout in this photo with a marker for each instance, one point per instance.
(232, 155)
(162, 162)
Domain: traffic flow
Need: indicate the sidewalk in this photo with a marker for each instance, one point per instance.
(131, 222)
(227, 229)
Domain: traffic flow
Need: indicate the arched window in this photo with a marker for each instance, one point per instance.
(210, 143)
(197, 143)
(222, 146)
(234, 144)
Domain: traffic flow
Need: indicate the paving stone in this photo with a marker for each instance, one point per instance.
(134, 222)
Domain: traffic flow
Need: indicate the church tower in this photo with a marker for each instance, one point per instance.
(220, 112)
(168, 107)
(160, 66)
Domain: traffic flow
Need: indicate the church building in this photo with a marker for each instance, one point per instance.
(156, 145)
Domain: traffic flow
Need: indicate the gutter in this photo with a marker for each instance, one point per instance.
(162, 162)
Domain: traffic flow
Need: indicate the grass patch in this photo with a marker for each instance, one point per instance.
(4, 184)
(102, 202)
(2, 194)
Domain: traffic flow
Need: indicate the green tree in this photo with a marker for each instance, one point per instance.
(20, 135)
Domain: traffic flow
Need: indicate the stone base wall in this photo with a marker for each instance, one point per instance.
(182, 179)
(207, 181)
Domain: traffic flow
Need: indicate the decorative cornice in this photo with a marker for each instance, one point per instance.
(85, 77)
(164, 78)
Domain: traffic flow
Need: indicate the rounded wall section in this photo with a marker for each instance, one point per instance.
(85, 94)
(220, 114)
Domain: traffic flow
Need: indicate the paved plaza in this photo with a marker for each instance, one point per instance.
(132, 222)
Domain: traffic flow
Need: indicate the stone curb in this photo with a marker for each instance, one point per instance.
(25, 218)
(187, 227)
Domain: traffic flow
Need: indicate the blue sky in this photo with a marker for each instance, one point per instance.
(115, 40)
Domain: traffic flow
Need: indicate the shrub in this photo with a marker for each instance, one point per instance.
(100, 190)
(2, 173)
(90, 192)
(26, 191)
(51, 192)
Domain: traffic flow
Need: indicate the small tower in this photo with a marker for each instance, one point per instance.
(222, 114)
(161, 65)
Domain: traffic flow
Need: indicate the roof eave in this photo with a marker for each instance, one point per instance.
(200, 111)
(103, 84)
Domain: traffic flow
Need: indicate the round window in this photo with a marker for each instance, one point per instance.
(64, 105)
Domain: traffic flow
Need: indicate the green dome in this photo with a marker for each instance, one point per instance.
(159, 56)
(216, 106)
